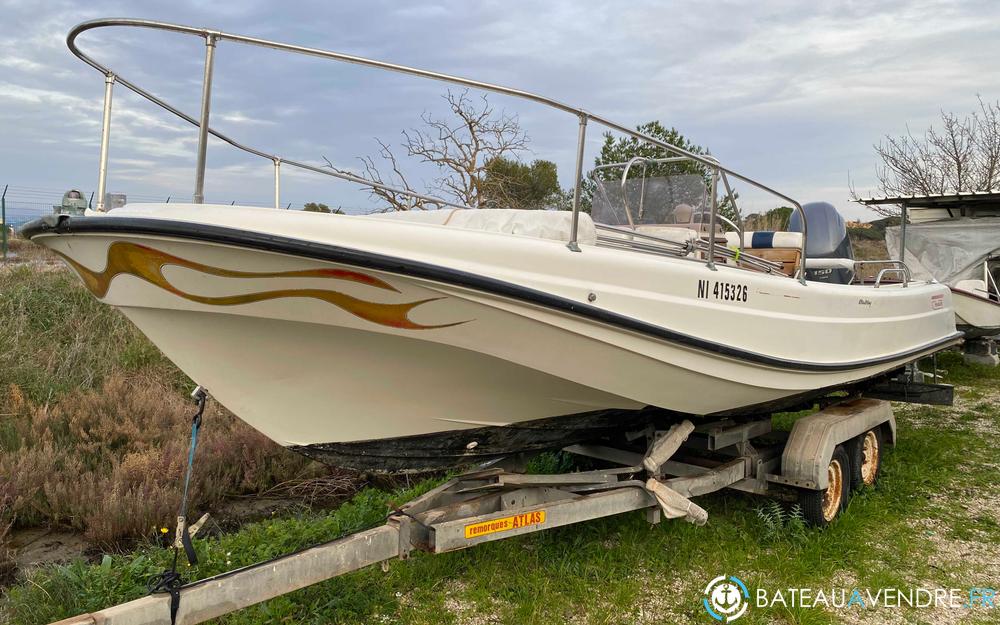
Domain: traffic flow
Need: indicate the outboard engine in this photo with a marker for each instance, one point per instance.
(826, 238)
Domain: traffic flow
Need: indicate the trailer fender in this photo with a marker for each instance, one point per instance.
(810, 446)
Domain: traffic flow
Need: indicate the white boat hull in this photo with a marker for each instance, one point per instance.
(976, 316)
(416, 329)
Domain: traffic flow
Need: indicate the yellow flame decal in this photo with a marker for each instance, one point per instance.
(147, 264)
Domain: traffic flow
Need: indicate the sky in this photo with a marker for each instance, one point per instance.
(792, 94)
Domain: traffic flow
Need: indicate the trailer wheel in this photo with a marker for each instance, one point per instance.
(821, 507)
(866, 458)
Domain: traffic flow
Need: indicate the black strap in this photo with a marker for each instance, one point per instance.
(170, 581)
(201, 398)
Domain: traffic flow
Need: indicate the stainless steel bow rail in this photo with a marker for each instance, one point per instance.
(214, 37)
(656, 471)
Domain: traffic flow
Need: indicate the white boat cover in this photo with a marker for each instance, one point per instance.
(949, 250)
(675, 234)
(544, 224)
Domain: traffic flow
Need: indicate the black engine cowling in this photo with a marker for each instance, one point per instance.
(827, 238)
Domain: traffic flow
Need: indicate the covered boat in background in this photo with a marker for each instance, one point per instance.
(954, 238)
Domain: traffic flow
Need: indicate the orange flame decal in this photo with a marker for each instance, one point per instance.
(147, 264)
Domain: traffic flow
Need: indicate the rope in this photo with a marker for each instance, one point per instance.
(200, 397)
(170, 581)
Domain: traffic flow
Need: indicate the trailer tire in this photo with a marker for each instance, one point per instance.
(866, 458)
(821, 507)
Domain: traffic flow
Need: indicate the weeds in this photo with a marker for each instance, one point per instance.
(94, 427)
(781, 523)
(108, 461)
(57, 592)
(551, 463)
(57, 338)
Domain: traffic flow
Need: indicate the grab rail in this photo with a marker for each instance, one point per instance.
(625, 240)
(900, 270)
(897, 266)
(214, 37)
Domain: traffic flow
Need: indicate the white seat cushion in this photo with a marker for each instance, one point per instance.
(765, 240)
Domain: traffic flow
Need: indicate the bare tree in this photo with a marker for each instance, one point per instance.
(460, 148)
(964, 155)
(395, 201)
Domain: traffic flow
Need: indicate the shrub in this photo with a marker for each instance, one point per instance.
(94, 425)
(109, 462)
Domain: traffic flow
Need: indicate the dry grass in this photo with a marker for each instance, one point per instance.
(21, 251)
(95, 422)
(867, 248)
(108, 461)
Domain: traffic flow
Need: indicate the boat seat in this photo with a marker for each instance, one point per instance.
(543, 224)
(781, 247)
(976, 287)
(765, 240)
(676, 234)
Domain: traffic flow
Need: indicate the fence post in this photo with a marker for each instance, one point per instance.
(3, 219)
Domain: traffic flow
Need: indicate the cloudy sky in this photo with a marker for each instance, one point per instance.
(791, 93)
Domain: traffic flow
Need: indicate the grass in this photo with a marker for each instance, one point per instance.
(94, 421)
(622, 570)
(57, 338)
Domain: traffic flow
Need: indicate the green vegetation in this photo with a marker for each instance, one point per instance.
(94, 421)
(319, 207)
(622, 149)
(512, 184)
(931, 522)
(57, 338)
(774, 219)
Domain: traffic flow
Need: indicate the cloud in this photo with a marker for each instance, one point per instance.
(238, 117)
(792, 94)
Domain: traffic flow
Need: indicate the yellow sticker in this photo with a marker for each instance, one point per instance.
(505, 524)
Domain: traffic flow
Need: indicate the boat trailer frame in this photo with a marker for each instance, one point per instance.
(658, 473)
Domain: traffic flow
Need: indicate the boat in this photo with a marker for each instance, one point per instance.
(954, 238)
(423, 340)
(977, 310)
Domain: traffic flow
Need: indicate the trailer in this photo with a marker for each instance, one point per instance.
(659, 472)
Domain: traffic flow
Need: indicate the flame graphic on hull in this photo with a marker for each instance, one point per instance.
(147, 264)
